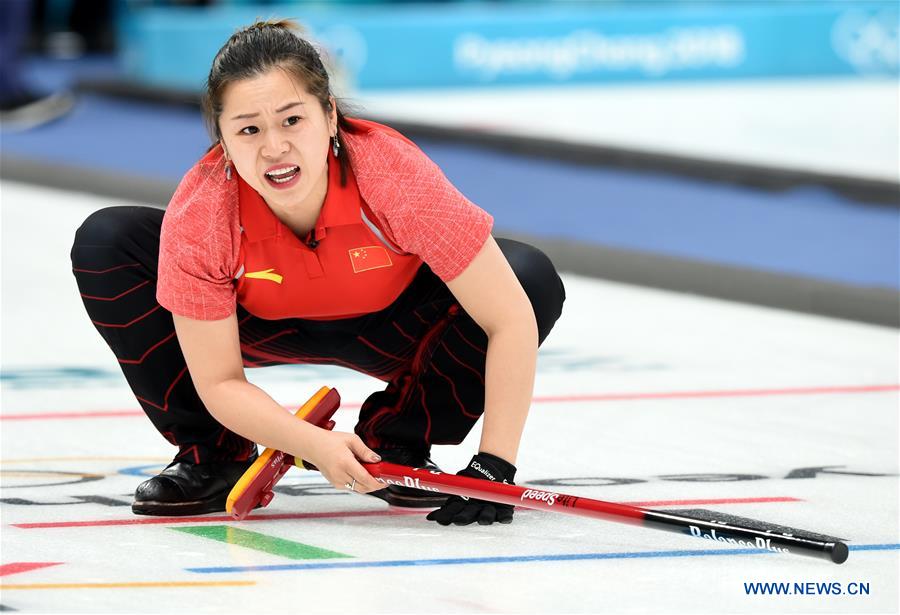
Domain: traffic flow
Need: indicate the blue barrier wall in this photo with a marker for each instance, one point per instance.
(398, 46)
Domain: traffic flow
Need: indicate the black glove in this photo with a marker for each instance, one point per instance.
(463, 511)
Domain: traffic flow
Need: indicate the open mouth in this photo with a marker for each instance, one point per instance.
(283, 177)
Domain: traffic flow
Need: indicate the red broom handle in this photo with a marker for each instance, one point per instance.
(255, 488)
(538, 499)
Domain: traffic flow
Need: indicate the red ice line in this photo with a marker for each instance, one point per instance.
(17, 567)
(342, 514)
(215, 519)
(875, 388)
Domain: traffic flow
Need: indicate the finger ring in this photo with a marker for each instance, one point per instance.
(351, 486)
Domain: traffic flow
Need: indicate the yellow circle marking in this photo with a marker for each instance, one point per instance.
(125, 585)
(41, 459)
(50, 474)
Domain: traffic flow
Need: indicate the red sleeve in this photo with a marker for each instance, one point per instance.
(199, 246)
(423, 212)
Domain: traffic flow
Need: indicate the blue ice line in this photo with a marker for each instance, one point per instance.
(884, 547)
(140, 470)
(510, 559)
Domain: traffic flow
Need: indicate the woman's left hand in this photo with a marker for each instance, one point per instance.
(463, 511)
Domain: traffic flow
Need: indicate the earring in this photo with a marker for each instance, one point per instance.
(335, 145)
(227, 170)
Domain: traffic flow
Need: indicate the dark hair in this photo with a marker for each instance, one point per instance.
(255, 50)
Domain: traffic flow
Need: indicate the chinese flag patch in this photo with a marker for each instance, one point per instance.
(369, 257)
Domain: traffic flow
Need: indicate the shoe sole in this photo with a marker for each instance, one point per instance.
(399, 500)
(178, 509)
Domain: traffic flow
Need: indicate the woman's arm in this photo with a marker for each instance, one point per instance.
(213, 355)
(490, 293)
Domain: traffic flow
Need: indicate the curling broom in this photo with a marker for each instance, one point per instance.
(255, 489)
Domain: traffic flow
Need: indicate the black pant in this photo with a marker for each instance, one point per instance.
(428, 350)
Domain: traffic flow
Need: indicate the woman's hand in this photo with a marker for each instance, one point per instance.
(463, 511)
(336, 455)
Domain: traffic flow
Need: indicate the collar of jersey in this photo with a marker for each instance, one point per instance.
(341, 207)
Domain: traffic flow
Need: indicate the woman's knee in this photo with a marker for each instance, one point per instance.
(106, 226)
(123, 229)
(541, 282)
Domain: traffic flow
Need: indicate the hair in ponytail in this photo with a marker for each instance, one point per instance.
(263, 46)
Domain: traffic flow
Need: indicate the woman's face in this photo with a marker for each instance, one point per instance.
(277, 136)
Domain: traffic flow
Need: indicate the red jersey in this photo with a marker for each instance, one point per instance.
(221, 244)
(352, 270)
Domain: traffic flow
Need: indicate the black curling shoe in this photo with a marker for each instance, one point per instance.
(408, 497)
(189, 489)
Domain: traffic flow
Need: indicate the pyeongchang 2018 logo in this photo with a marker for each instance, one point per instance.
(585, 51)
(867, 40)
